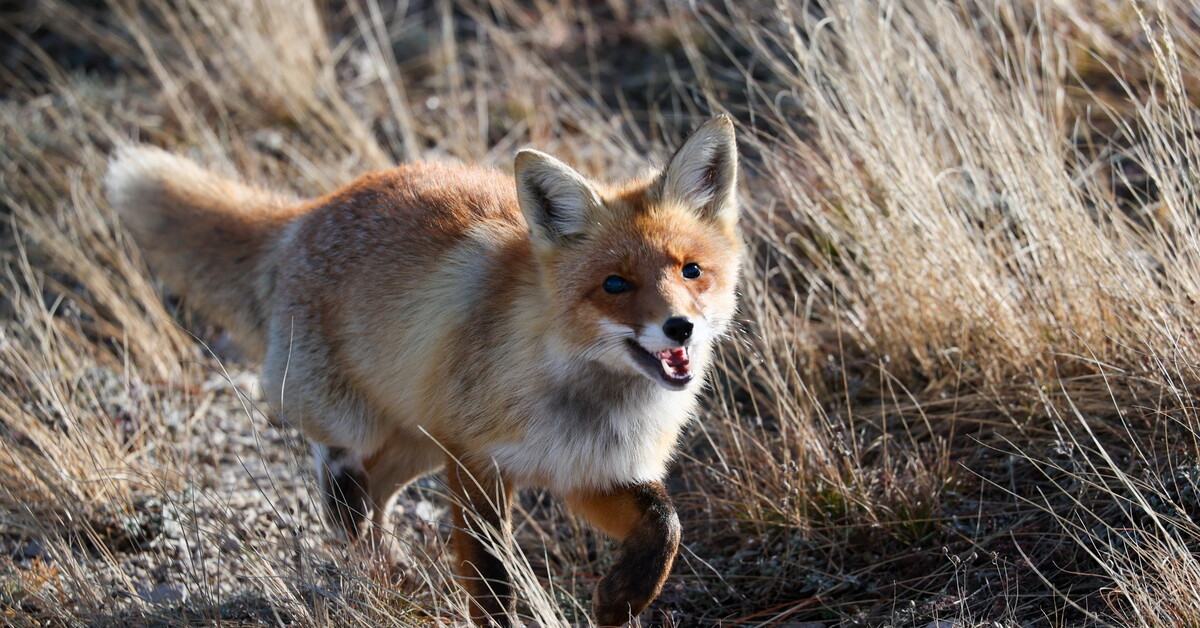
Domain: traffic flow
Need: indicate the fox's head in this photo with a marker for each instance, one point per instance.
(642, 274)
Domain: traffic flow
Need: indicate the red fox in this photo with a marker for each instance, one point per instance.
(539, 330)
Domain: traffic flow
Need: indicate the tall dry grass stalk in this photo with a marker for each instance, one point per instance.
(948, 265)
(952, 212)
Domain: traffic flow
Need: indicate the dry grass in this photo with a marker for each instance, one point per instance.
(964, 385)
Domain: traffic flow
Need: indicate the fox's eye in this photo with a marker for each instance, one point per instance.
(691, 271)
(615, 284)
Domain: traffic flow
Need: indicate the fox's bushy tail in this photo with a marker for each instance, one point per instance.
(212, 240)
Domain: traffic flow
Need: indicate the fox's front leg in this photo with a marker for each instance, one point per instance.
(643, 519)
(481, 521)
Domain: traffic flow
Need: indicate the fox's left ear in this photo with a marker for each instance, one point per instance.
(702, 175)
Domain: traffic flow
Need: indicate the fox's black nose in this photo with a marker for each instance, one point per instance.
(678, 329)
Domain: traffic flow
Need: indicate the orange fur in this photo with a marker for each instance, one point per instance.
(448, 302)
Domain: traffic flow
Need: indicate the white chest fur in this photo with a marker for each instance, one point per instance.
(593, 438)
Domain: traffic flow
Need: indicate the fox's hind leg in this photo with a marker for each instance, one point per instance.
(401, 460)
(353, 488)
(344, 489)
(642, 518)
(482, 520)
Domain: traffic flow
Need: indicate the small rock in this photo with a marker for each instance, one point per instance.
(165, 593)
(269, 141)
(426, 511)
(32, 549)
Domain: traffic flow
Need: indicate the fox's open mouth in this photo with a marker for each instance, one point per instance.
(672, 367)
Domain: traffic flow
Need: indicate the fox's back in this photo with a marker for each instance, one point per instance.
(385, 280)
(397, 221)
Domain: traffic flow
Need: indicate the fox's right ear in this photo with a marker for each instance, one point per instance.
(557, 201)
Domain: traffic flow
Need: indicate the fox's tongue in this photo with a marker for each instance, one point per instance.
(675, 362)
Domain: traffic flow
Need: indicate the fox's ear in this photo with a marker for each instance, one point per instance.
(702, 175)
(557, 201)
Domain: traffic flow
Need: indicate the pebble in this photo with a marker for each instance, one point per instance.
(33, 549)
(162, 593)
